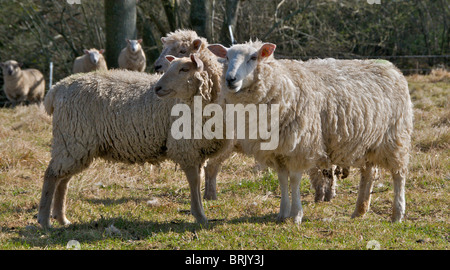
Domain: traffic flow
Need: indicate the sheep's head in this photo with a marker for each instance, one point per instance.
(10, 67)
(177, 48)
(94, 55)
(242, 59)
(134, 45)
(182, 80)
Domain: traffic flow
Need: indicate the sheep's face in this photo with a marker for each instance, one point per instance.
(175, 48)
(94, 55)
(10, 68)
(241, 62)
(134, 45)
(179, 81)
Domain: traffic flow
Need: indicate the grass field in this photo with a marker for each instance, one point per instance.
(117, 206)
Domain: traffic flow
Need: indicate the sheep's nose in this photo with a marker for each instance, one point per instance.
(158, 67)
(230, 79)
(157, 88)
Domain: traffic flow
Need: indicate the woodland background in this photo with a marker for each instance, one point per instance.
(413, 34)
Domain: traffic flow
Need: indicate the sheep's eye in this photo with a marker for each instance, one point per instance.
(184, 69)
(253, 58)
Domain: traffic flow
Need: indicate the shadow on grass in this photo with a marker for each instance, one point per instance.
(117, 229)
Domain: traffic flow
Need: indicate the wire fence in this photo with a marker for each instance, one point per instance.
(408, 64)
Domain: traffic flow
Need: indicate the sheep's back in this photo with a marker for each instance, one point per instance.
(366, 111)
(112, 114)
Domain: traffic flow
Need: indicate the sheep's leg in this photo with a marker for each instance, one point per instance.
(48, 190)
(54, 189)
(399, 196)
(284, 187)
(59, 204)
(211, 171)
(330, 192)
(193, 177)
(365, 190)
(317, 182)
(296, 205)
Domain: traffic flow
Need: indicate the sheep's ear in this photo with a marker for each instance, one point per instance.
(127, 40)
(266, 50)
(170, 58)
(139, 40)
(163, 40)
(101, 51)
(219, 50)
(20, 64)
(197, 44)
(198, 63)
(86, 51)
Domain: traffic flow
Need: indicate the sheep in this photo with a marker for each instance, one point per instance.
(91, 60)
(132, 57)
(179, 43)
(22, 85)
(343, 112)
(184, 42)
(96, 115)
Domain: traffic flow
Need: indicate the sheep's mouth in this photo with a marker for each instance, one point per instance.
(233, 88)
(163, 92)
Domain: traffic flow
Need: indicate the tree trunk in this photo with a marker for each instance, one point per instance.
(200, 17)
(231, 9)
(120, 20)
(170, 7)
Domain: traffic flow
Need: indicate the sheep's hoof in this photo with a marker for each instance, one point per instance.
(357, 214)
(45, 225)
(202, 220)
(281, 218)
(297, 220)
(396, 218)
(210, 197)
(64, 222)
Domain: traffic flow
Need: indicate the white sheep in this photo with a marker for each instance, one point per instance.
(344, 112)
(97, 115)
(22, 85)
(132, 57)
(91, 60)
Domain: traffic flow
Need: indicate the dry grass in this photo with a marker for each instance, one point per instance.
(117, 206)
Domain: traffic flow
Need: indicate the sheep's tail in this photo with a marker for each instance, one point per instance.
(48, 101)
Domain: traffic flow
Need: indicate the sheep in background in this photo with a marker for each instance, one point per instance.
(91, 60)
(344, 112)
(96, 115)
(132, 57)
(22, 85)
(179, 43)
